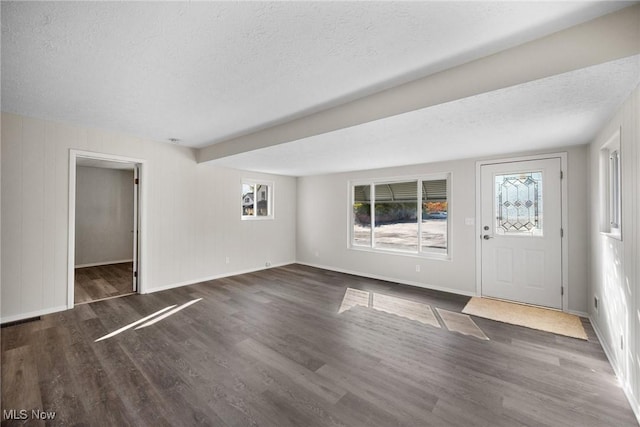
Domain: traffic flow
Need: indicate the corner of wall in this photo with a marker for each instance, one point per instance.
(612, 272)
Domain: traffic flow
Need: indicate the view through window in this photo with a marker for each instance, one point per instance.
(256, 200)
(406, 216)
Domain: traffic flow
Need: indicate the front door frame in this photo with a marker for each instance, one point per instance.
(564, 218)
(141, 218)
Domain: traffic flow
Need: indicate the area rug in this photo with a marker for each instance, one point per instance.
(538, 318)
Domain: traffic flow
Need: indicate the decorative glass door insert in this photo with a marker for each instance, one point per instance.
(518, 202)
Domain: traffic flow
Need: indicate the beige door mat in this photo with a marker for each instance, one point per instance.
(538, 318)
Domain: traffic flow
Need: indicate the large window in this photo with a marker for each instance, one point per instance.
(257, 200)
(409, 216)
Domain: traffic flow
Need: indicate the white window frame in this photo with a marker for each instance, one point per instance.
(611, 187)
(270, 200)
(420, 252)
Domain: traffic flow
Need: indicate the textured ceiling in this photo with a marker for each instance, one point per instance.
(206, 71)
(562, 110)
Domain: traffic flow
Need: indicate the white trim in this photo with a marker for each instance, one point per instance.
(214, 277)
(97, 264)
(635, 407)
(71, 243)
(390, 279)
(29, 315)
(613, 144)
(394, 179)
(439, 256)
(579, 313)
(564, 217)
(136, 225)
(271, 204)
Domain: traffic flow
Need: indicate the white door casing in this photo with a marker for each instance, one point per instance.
(521, 226)
(139, 282)
(136, 180)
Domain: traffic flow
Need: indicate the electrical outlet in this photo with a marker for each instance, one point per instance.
(227, 260)
(267, 264)
(317, 254)
(417, 269)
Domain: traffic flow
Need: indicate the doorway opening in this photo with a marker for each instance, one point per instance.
(104, 227)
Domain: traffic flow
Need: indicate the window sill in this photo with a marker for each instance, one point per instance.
(616, 236)
(433, 255)
(256, 218)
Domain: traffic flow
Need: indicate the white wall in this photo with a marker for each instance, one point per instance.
(613, 274)
(104, 216)
(323, 207)
(193, 214)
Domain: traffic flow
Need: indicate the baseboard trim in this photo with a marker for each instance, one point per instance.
(635, 407)
(390, 279)
(217, 276)
(97, 264)
(579, 313)
(29, 315)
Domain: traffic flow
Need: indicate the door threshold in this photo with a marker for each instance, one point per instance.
(104, 299)
(522, 303)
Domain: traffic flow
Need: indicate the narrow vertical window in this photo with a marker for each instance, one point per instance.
(611, 187)
(614, 190)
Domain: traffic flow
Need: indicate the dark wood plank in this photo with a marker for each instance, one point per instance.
(104, 281)
(270, 349)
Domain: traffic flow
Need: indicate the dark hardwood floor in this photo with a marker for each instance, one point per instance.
(104, 281)
(270, 349)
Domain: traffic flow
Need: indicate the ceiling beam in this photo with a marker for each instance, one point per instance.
(603, 39)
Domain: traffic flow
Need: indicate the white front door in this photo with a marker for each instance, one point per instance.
(521, 231)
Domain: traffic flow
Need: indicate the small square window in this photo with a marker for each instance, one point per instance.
(257, 200)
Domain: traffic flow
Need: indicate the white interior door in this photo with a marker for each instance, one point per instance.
(521, 231)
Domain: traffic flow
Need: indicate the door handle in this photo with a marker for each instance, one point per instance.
(487, 237)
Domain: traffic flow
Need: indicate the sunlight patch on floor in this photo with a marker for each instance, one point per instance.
(170, 313)
(150, 319)
(462, 323)
(401, 307)
(137, 322)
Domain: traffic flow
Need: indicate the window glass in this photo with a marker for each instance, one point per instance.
(611, 186)
(396, 216)
(518, 201)
(247, 200)
(257, 200)
(409, 216)
(361, 215)
(614, 189)
(262, 200)
(435, 215)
